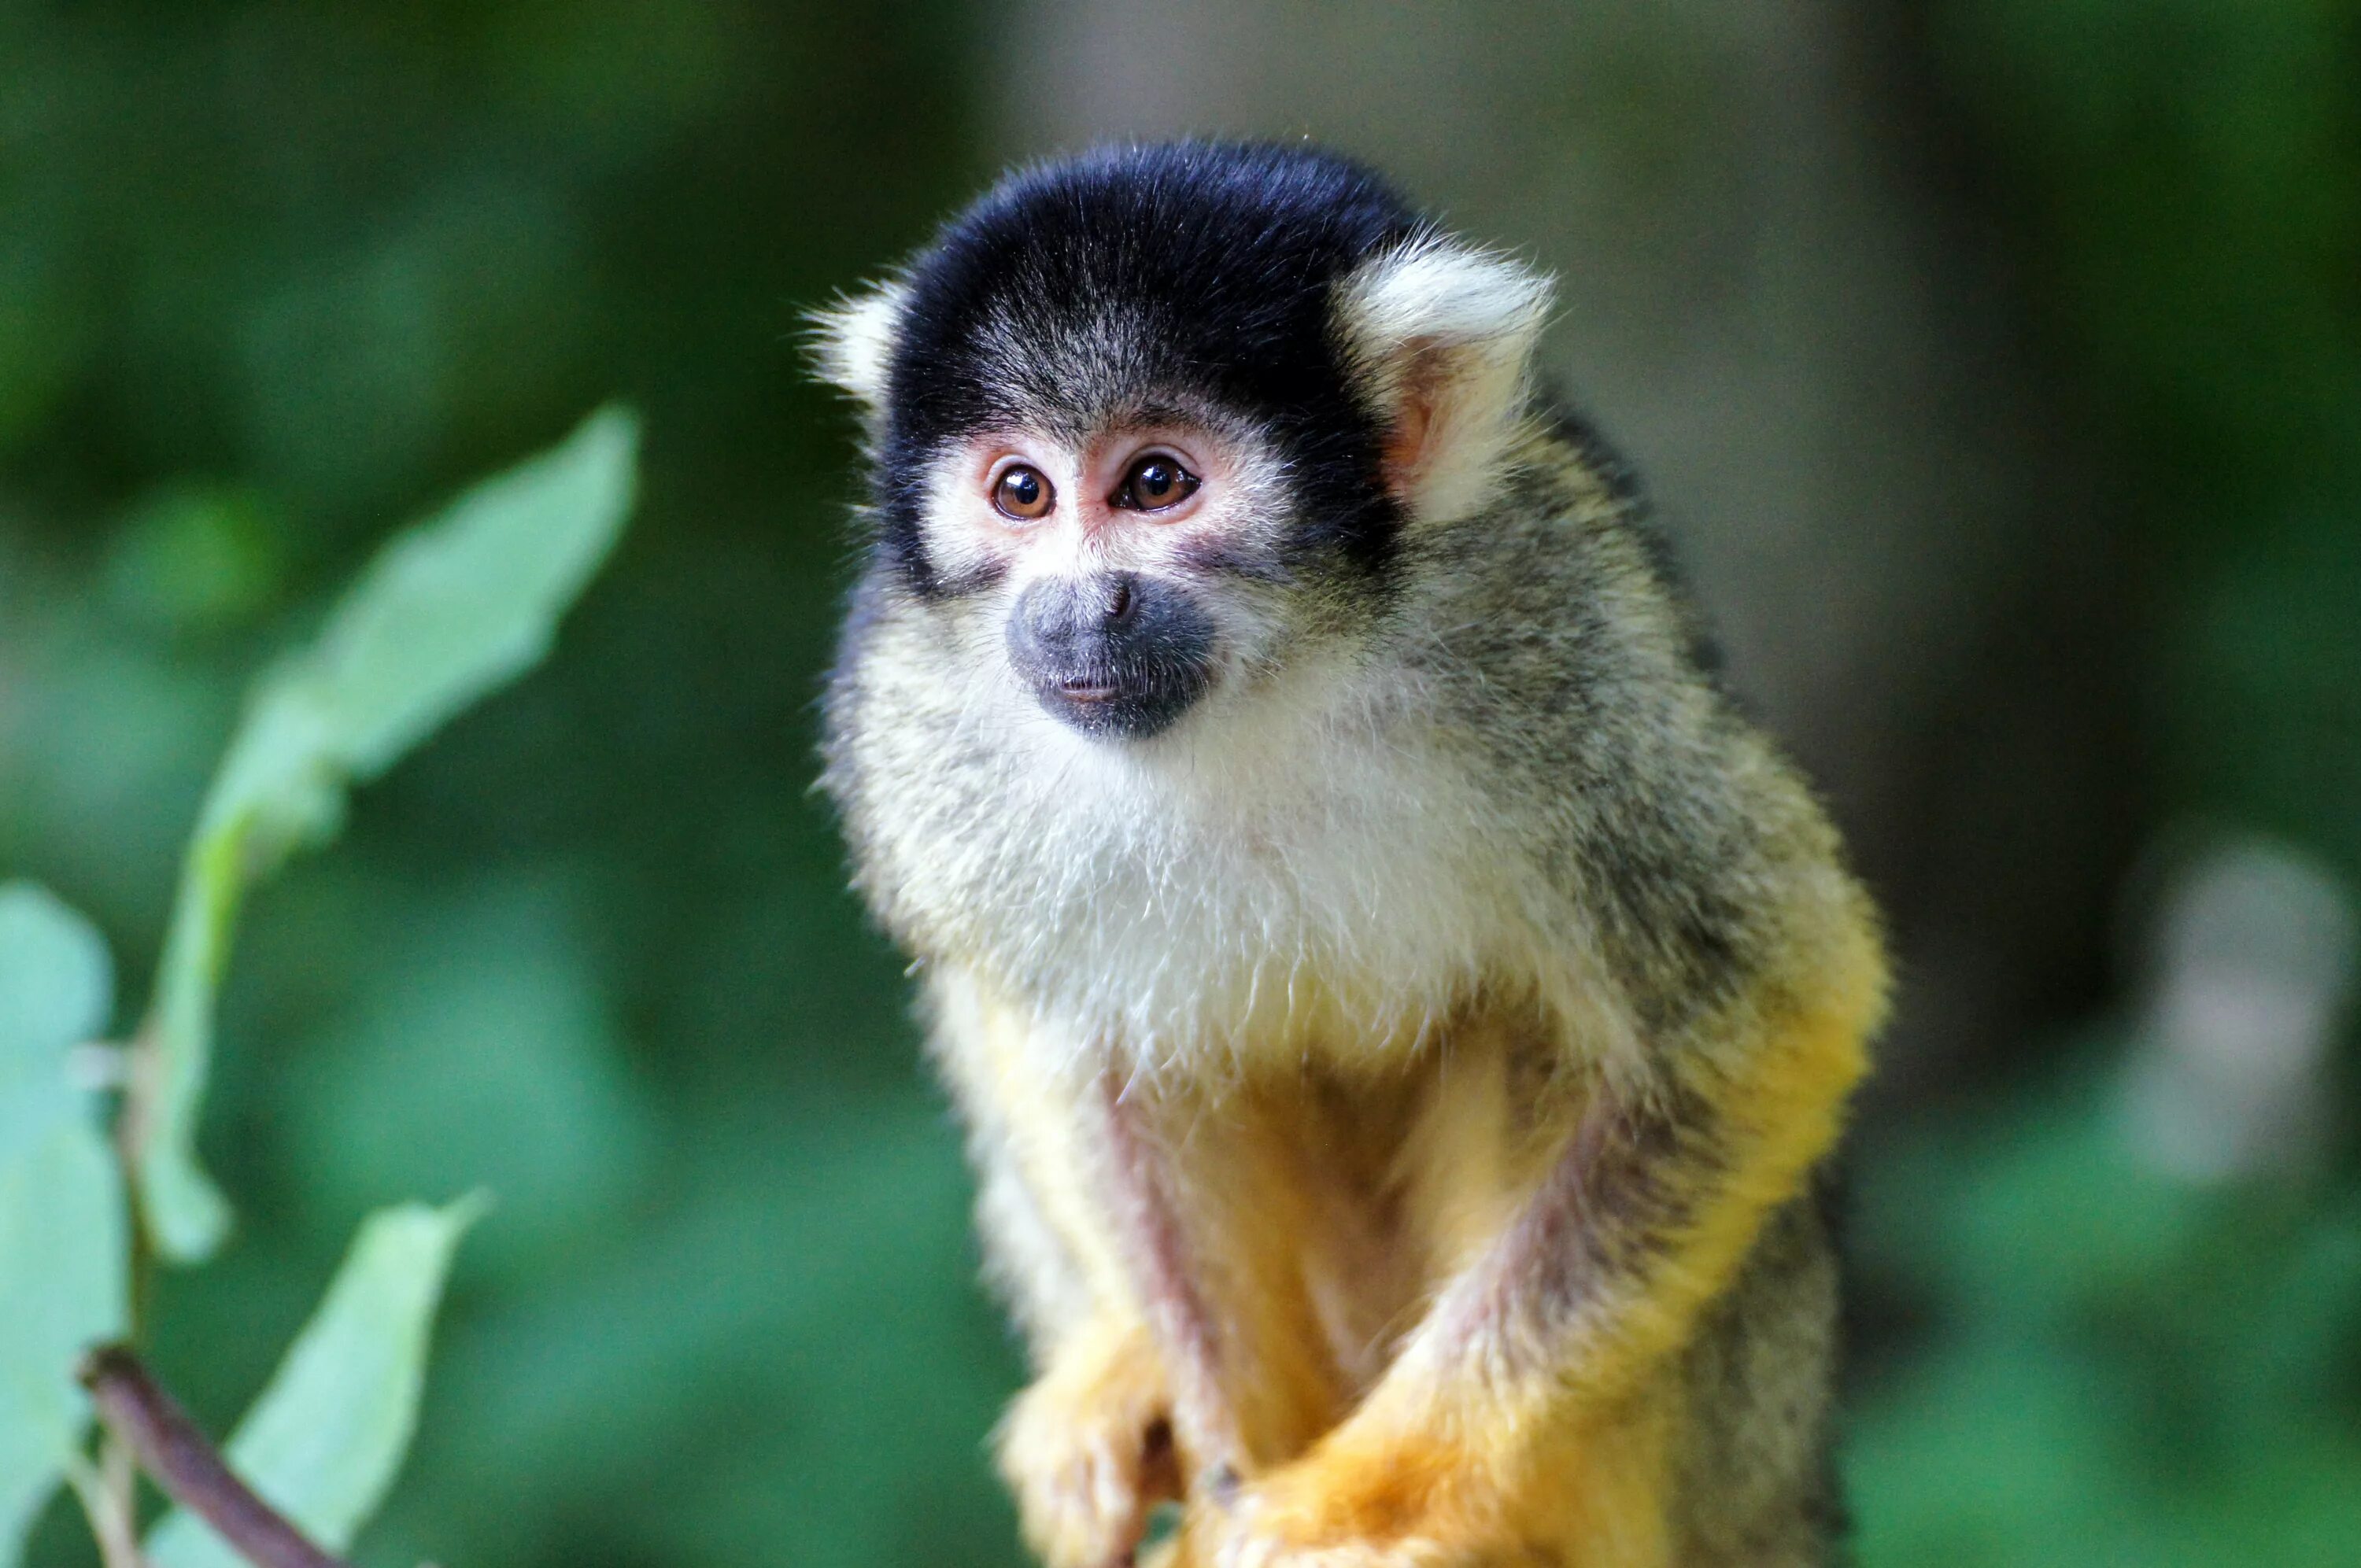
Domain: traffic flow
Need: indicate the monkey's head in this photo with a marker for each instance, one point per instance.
(1156, 425)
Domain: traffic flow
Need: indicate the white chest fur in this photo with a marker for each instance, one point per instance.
(1283, 870)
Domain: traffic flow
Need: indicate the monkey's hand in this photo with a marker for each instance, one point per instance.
(1481, 1485)
(1396, 1488)
(1324, 1512)
(1088, 1448)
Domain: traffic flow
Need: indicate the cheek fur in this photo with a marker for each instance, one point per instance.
(963, 542)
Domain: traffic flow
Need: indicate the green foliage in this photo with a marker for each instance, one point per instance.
(274, 275)
(454, 607)
(494, 998)
(2104, 1363)
(61, 1224)
(2185, 182)
(450, 610)
(324, 1439)
(2126, 1368)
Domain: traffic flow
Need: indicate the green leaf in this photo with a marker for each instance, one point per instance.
(55, 985)
(63, 1241)
(324, 1442)
(451, 610)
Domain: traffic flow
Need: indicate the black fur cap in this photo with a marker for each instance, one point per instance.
(1137, 280)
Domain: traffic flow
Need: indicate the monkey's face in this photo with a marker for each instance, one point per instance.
(1147, 432)
(1132, 571)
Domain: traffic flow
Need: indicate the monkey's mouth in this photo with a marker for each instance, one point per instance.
(1130, 704)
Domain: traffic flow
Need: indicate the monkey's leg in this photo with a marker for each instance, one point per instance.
(1528, 1418)
(1214, 1225)
(1149, 1225)
(1086, 1448)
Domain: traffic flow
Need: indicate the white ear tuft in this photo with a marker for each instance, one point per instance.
(1442, 338)
(853, 341)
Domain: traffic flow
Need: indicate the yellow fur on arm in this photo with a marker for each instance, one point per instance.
(1030, 1121)
(1675, 1197)
(1088, 1448)
(1525, 1408)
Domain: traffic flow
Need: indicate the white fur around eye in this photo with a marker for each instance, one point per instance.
(965, 535)
(1440, 329)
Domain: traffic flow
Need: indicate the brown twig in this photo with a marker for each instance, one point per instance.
(169, 1447)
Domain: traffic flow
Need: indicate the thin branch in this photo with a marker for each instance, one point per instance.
(141, 1065)
(171, 1448)
(105, 1491)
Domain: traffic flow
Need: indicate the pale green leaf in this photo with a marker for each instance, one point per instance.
(55, 982)
(451, 610)
(463, 605)
(62, 1241)
(326, 1439)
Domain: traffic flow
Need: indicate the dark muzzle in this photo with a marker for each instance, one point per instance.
(1112, 654)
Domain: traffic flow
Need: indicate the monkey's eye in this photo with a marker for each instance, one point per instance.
(1154, 482)
(1022, 493)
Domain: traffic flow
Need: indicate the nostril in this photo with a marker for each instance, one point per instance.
(1119, 602)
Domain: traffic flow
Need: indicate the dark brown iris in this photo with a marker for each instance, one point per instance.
(1154, 482)
(1022, 493)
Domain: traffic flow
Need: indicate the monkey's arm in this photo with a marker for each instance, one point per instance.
(1522, 1408)
(1087, 1447)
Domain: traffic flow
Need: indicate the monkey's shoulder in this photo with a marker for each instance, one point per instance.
(1560, 658)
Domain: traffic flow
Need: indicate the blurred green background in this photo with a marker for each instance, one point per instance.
(1998, 366)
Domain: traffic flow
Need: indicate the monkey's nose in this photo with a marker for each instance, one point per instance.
(1117, 607)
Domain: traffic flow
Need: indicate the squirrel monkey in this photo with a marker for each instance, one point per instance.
(1400, 1006)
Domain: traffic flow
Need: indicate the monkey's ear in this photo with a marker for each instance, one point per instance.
(1441, 338)
(853, 341)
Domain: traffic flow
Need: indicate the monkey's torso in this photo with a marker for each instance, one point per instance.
(1398, 1003)
(1365, 957)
